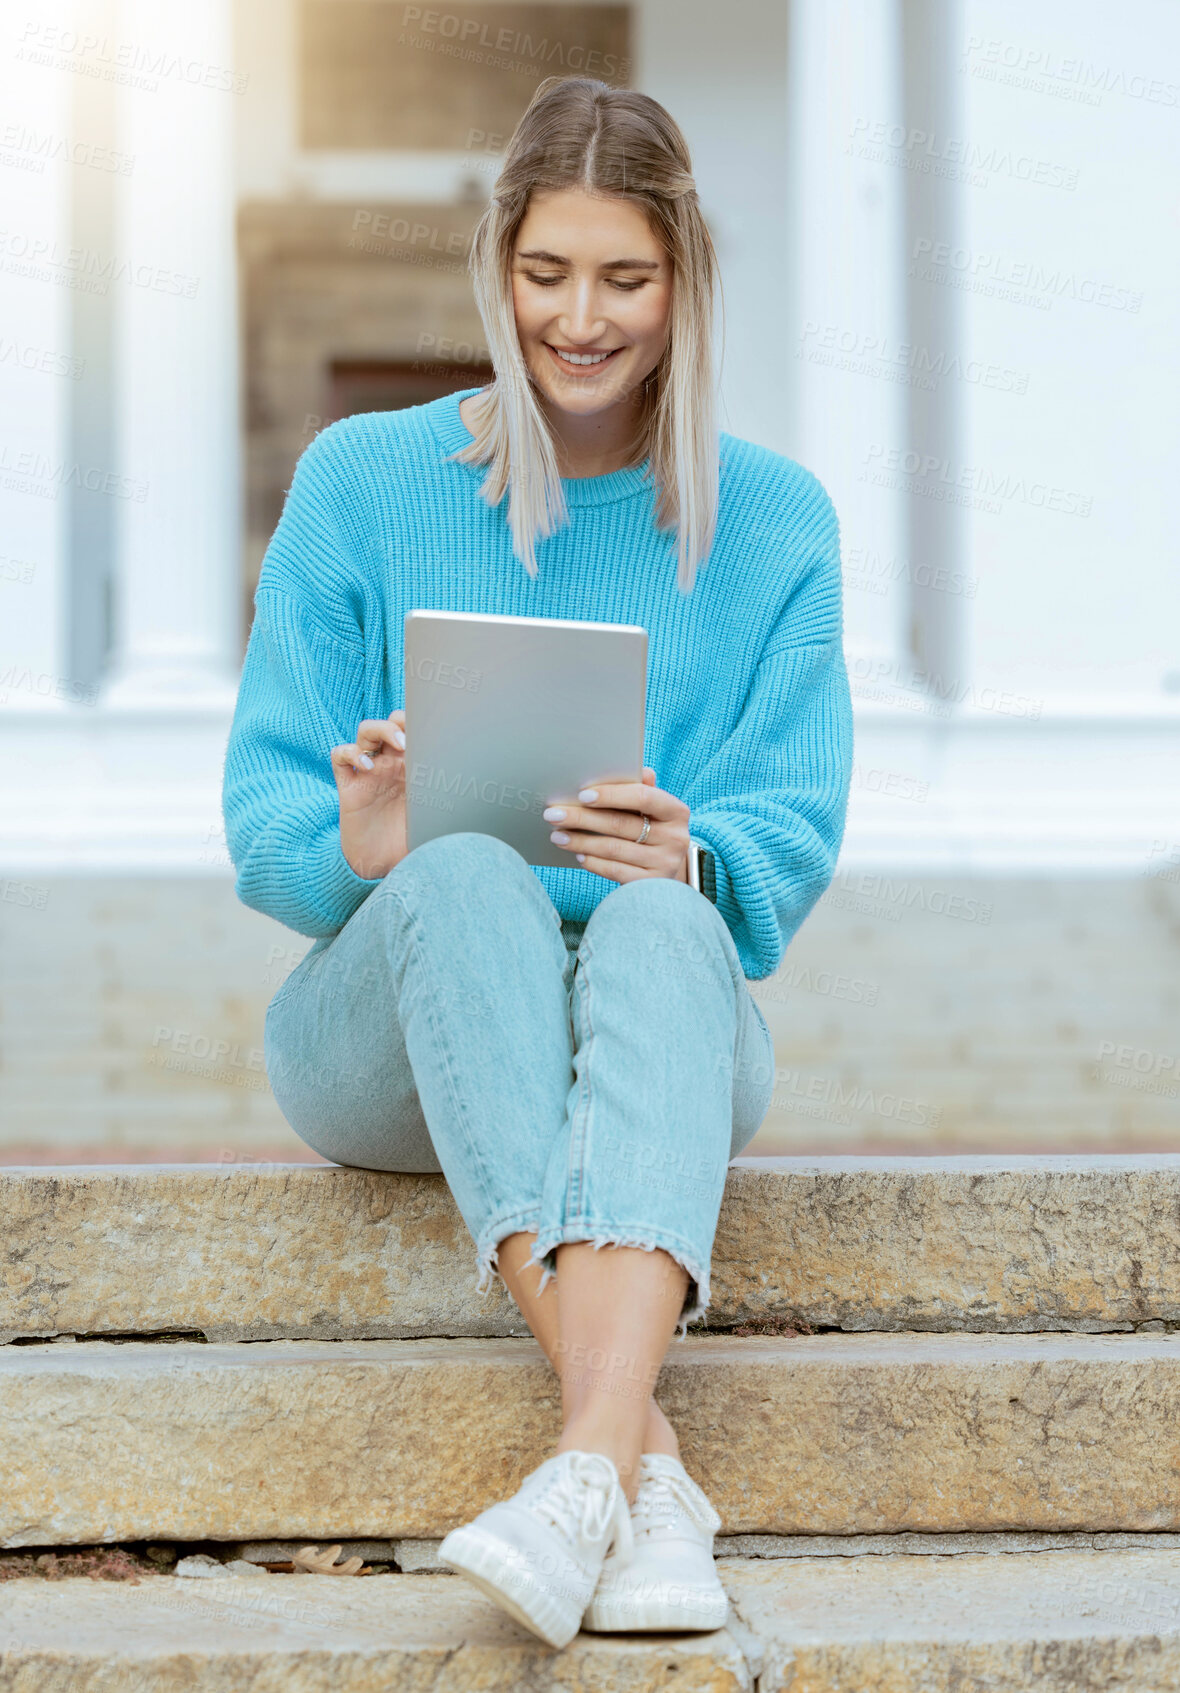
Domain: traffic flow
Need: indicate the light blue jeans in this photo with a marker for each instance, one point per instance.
(580, 1081)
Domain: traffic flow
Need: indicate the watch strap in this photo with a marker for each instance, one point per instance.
(704, 864)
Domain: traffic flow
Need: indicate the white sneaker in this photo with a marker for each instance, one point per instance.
(539, 1554)
(670, 1582)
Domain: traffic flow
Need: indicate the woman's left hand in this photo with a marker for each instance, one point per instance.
(602, 831)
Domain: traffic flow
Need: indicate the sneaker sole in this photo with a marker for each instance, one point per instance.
(652, 1616)
(481, 1559)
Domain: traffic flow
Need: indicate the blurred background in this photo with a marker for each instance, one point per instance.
(950, 247)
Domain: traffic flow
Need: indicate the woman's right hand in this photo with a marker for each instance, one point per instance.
(370, 777)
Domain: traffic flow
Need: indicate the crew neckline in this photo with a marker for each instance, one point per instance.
(579, 490)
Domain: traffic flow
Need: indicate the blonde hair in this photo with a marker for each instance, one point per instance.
(581, 133)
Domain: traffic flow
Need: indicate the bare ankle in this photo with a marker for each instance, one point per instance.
(591, 1435)
(659, 1435)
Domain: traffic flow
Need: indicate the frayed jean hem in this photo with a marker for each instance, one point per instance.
(488, 1249)
(696, 1297)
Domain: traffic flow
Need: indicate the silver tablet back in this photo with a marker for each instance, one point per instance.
(507, 715)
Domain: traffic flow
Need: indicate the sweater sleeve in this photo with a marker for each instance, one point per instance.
(300, 695)
(771, 802)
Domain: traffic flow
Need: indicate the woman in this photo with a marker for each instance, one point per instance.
(576, 1049)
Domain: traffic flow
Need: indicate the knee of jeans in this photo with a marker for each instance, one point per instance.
(456, 862)
(656, 908)
(656, 891)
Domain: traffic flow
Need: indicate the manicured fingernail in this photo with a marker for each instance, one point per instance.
(553, 813)
(581, 857)
(588, 794)
(559, 837)
(399, 740)
(366, 761)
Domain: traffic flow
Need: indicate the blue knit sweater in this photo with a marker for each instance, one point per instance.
(748, 714)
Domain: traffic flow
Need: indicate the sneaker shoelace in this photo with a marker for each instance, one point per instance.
(583, 1497)
(659, 1490)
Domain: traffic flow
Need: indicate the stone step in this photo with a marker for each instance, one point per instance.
(1054, 1621)
(353, 1440)
(323, 1634)
(246, 1252)
(1057, 1622)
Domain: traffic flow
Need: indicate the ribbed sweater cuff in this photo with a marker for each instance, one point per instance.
(753, 964)
(337, 885)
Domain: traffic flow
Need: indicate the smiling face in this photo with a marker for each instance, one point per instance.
(592, 292)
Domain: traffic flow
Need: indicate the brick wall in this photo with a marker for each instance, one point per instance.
(909, 1014)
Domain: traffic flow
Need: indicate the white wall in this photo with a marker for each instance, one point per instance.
(1077, 608)
(39, 374)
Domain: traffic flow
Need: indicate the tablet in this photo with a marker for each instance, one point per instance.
(508, 715)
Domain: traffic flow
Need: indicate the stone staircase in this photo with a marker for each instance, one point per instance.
(936, 1407)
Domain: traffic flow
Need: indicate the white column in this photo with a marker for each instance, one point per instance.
(177, 612)
(845, 307)
(932, 35)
